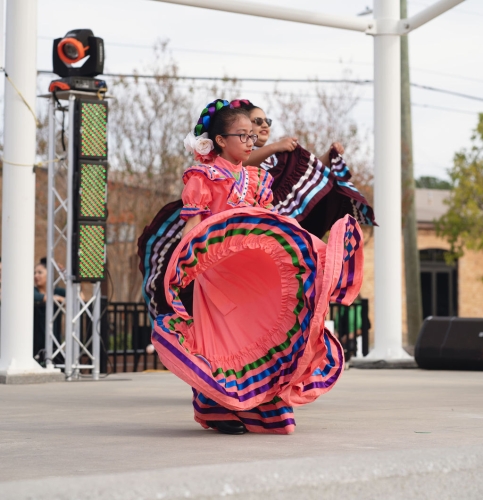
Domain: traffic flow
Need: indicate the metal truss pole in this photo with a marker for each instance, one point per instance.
(76, 330)
(56, 242)
(60, 233)
(96, 329)
(49, 303)
(69, 284)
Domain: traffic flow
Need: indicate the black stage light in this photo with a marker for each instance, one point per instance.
(75, 46)
(72, 48)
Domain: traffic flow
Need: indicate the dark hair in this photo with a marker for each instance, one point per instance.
(216, 118)
(221, 122)
(43, 262)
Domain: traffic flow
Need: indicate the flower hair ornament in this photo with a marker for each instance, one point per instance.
(241, 103)
(197, 142)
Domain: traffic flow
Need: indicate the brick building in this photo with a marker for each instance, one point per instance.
(447, 290)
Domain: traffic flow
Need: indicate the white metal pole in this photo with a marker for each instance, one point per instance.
(96, 329)
(282, 13)
(49, 304)
(428, 14)
(76, 332)
(70, 292)
(18, 205)
(387, 188)
(2, 33)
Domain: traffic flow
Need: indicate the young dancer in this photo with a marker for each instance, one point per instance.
(254, 344)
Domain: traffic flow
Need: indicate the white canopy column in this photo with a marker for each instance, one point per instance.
(18, 203)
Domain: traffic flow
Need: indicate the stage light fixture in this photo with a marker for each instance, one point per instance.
(71, 50)
(90, 190)
(92, 139)
(75, 46)
(91, 252)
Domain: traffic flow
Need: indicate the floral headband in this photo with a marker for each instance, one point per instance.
(197, 142)
(240, 103)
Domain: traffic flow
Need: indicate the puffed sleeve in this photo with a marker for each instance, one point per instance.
(264, 194)
(196, 196)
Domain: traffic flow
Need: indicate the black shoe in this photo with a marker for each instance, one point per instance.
(228, 426)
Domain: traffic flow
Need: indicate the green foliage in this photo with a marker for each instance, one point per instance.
(432, 183)
(462, 225)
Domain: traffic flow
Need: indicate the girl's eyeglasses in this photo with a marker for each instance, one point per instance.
(259, 121)
(244, 137)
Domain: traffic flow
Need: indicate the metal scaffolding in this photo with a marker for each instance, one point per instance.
(60, 231)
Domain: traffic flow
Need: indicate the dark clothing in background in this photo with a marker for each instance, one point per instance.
(39, 319)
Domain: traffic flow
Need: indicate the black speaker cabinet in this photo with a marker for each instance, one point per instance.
(450, 343)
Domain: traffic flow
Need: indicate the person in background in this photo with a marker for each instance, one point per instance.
(40, 297)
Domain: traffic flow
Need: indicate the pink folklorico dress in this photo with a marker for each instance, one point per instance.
(254, 344)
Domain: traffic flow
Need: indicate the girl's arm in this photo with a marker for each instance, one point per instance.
(258, 156)
(191, 223)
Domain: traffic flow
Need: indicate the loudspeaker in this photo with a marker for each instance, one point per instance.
(450, 343)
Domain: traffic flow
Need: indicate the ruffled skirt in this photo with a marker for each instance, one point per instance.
(254, 344)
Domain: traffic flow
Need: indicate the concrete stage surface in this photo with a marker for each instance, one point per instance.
(389, 434)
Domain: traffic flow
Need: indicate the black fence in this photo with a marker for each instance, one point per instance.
(126, 332)
(350, 323)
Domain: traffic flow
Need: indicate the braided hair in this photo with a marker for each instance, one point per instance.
(207, 115)
(217, 117)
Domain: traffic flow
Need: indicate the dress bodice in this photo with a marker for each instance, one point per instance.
(221, 185)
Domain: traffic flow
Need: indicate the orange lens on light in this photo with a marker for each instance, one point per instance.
(71, 50)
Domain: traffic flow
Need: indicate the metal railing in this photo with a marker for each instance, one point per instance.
(126, 332)
(125, 329)
(350, 323)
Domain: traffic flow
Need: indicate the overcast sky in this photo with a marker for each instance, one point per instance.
(446, 53)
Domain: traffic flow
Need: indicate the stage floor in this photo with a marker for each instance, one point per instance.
(400, 427)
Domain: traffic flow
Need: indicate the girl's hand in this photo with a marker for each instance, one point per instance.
(286, 144)
(337, 147)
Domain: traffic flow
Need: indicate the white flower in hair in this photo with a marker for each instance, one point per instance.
(203, 145)
(190, 142)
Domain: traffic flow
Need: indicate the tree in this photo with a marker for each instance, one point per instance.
(318, 118)
(462, 224)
